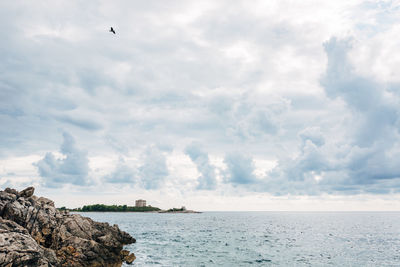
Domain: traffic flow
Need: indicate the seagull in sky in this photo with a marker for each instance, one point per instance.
(112, 30)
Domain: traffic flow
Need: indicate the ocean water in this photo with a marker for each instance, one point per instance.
(261, 238)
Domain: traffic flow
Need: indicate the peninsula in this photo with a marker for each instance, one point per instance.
(113, 208)
(125, 208)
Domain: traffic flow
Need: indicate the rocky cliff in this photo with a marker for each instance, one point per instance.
(34, 233)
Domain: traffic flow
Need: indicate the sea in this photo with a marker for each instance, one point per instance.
(261, 238)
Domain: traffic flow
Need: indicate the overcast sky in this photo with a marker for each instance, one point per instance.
(215, 105)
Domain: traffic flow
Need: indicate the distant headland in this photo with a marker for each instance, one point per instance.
(113, 208)
(140, 206)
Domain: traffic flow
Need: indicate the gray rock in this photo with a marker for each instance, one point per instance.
(27, 192)
(44, 236)
(18, 248)
(11, 191)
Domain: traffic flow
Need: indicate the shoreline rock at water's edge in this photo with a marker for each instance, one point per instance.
(34, 233)
(179, 211)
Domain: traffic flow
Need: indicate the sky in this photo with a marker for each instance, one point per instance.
(214, 105)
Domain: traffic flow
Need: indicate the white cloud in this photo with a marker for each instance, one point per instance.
(311, 86)
(154, 170)
(207, 180)
(73, 168)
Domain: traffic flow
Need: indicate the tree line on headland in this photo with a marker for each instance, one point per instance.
(115, 208)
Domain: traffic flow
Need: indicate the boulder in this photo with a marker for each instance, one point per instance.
(130, 258)
(11, 191)
(42, 235)
(18, 248)
(27, 192)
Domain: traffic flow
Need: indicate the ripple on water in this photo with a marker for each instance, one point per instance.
(262, 238)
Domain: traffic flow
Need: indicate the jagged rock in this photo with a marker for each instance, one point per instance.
(56, 238)
(130, 258)
(127, 256)
(18, 248)
(11, 191)
(27, 192)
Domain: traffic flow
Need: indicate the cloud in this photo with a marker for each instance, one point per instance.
(363, 160)
(154, 169)
(122, 173)
(207, 179)
(110, 85)
(72, 169)
(368, 99)
(276, 87)
(313, 134)
(375, 113)
(240, 169)
(79, 122)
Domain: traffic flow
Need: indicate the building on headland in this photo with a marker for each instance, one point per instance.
(140, 203)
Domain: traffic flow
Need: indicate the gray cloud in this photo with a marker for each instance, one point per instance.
(364, 96)
(122, 173)
(240, 169)
(154, 169)
(180, 72)
(375, 114)
(78, 78)
(82, 123)
(365, 161)
(73, 169)
(313, 134)
(151, 174)
(207, 179)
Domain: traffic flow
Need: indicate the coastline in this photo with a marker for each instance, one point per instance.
(180, 211)
(126, 208)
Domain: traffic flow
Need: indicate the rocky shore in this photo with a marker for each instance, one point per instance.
(178, 211)
(34, 233)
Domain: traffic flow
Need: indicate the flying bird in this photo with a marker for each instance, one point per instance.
(112, 30)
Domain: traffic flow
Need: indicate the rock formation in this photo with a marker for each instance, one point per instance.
(34, 233)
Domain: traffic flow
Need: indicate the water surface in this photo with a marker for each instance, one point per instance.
(261, 238)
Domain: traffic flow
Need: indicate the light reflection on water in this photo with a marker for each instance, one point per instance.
(261, 238)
